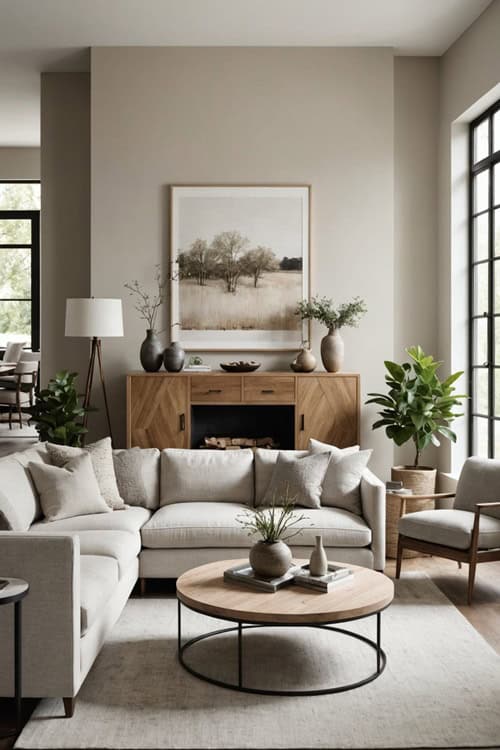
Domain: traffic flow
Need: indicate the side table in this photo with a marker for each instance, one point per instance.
(13, 593)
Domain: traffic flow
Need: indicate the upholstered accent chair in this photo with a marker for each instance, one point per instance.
(17, 391)
(470, 531)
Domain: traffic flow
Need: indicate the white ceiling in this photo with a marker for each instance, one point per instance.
(50, 35)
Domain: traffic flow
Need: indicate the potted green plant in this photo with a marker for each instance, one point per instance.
(334, 318)
(271, 557)
(418, 407)
(57, 412)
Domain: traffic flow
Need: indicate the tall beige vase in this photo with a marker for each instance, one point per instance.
(332, 350)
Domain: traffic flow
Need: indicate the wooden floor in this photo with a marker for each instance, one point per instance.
(483, 614)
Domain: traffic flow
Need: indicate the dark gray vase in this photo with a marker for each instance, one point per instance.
(151, 353)
(173, 357)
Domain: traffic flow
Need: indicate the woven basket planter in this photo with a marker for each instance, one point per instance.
(421, 481)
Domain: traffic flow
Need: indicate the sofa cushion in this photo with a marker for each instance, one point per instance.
(206, 476)
(19, 503)
(479, 482)
(265, 461)
(216, 525)
(102, 462)
(122, 546)
(130, 519)
(298, 480)
(341, 487)
(451, 528)
(138, 476)
(68, 491)
(98, 578)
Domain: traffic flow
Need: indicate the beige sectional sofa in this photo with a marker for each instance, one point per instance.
(182, 511)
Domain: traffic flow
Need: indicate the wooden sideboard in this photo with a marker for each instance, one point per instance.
(161, 405)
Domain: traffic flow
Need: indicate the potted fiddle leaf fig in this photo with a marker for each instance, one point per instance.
(58, 412)
(418, 406)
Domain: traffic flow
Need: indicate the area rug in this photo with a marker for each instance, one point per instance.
(441, 687)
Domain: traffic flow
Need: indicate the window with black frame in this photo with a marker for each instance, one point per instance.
(20, 263)
(484, 338)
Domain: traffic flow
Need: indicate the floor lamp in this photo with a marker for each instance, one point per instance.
(94, 319)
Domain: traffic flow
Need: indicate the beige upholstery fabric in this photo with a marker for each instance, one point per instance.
(341, 486)
(265, 461)
(216, 525)
(138, 476)
(479, 482)
(19, 504)
(130, 519)
(206, 476)
(316, 446)
(102, 462)
(451, 528)
(373, 509)
(298, 480)
(13, 351)
(9, 397)
(98, 579)
(68, 491)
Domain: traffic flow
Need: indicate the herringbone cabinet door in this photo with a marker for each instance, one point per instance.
(327, 409)
(158, 412)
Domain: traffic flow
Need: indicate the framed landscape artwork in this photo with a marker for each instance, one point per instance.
(240, 264)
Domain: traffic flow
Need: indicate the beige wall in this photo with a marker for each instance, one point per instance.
(416, 111)
(163, 116)
(469, 82)
(19, 163)
(65, 175)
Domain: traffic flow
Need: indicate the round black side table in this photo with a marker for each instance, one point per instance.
(13, 592)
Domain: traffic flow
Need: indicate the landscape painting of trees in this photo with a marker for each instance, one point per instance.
(240, 259)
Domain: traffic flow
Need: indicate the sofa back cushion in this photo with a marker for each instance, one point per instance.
(138, 476)
(206, 476)
(479, 482)
(265, 461)
(19, 503)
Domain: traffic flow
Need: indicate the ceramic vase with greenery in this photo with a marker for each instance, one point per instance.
(418, 406)
(58, 412)
(148, 306)
(334, 318)
(271, 557)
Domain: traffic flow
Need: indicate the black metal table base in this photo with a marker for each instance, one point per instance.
(380, 656)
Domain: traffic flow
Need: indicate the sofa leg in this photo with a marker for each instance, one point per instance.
(142, 586)
(69, 707)
(399, 557)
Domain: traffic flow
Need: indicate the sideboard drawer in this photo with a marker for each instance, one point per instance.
(277, 388)
(214, 389)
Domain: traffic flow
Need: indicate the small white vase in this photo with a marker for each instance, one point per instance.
(332, 351)
(318, 562)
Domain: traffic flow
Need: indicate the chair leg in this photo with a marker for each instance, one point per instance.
(399, 556)
(459, 563)
(470, 585)
(69, 707)
(142, 586)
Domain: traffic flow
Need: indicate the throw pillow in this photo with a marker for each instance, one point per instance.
(341, 486)
(68, 491)
(138, 476)
(102, 461)
(316, 446)
(300, 479)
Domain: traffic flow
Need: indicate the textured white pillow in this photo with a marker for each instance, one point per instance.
(341, 486)
(265, 461)
(297, 479)
(138, 476)
(316, 446)
(68, 491)
(102, 461)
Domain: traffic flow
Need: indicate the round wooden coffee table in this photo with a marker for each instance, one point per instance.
(203, 590)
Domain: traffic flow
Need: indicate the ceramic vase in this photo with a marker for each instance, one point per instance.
(318, 563)
(151, 352)
(305, 361)
(270, 559)
(332, 351)
(173, 357)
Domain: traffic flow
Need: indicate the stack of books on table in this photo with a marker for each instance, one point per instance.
(197, 368)
(297, 574)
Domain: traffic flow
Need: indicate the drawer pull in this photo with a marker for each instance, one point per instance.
(214, 390)
(267, 390)
(182, 422)
(302, 423)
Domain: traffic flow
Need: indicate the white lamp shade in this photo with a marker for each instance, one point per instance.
(91, 317)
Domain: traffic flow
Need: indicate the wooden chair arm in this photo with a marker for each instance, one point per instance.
(477, 519)
(435, 496)
(480, 506)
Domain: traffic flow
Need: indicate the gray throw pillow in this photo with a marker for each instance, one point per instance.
(138, 476)
(68, 491)
(102, 461)
(341, 486)
(299, 479)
